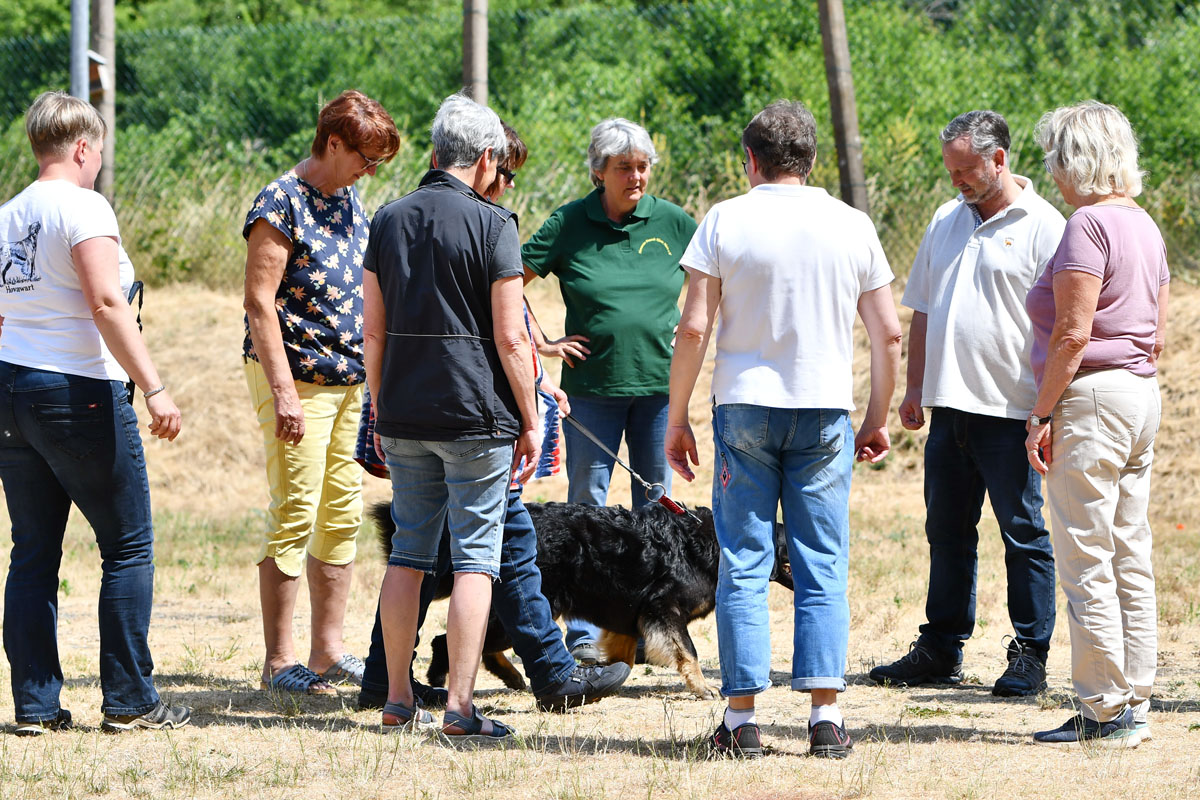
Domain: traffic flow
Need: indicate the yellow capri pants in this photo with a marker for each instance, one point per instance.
(316, 485)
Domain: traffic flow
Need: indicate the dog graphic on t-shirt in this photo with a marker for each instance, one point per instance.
(16, 260)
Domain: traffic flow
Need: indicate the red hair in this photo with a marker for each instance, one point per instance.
(360, 122)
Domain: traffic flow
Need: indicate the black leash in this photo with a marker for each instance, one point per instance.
(655, 492)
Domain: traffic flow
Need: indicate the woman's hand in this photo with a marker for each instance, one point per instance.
(165, 419)
(1037, 446)
(566, 348)
(289, 416)
(526, 447)
(560, 397)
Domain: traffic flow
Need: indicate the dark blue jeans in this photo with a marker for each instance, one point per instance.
(518, 601)
(966, 455)
(66, 439)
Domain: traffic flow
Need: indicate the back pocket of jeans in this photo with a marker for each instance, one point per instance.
(744, 426)
(76, 430)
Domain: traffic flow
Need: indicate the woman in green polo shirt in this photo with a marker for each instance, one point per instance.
(616, 255)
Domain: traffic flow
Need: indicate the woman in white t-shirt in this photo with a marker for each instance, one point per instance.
(70, 343)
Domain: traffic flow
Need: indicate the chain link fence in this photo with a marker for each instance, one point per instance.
(206, 117)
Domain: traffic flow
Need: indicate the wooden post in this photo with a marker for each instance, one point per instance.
(475, 47)
(104, 42)
(841, 103)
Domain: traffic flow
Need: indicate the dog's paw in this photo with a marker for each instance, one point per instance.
(706, 692)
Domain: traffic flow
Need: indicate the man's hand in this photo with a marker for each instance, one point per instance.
(680, 445)
(871, 445)
(912, 416)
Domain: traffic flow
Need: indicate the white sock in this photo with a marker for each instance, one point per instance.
(736, 717)
(830, 713)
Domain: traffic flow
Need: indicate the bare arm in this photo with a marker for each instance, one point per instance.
(566, 348)
(1075, 296)
(1160, 330)
(691, 342)
(96, 264)
(878, 313)
(514, 347)
(267, 252)
(912, 416)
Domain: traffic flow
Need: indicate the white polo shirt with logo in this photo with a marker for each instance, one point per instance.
(970, 277)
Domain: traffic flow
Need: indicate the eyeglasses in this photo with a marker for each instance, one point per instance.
(507, 174)
(369, 162)
(1046, 164)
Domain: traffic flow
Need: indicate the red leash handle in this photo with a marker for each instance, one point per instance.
(670, 505)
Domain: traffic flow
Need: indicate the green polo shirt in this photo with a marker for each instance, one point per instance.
(621, 285)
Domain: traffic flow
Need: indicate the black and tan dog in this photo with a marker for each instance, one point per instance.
(644, 573)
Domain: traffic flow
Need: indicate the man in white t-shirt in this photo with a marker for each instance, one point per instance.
(969, 362)
(788, 266)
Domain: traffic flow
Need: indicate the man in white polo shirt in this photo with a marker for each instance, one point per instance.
(968, 361)
(789, 267)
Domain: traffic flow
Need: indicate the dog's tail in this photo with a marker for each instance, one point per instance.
(381, 515)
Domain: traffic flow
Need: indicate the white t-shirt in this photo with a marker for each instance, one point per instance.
(971, 278)
(793, 262)
(47, 323)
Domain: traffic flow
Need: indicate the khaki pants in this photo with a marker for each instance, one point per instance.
(316, 485)
(1099, 491)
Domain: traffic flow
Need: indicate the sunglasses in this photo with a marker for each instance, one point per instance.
(507, 174)
(370, 162)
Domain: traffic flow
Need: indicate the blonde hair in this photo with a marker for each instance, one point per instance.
(1091, 147)
(56, 120)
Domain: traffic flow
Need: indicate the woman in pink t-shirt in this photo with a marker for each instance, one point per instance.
(1099, 312)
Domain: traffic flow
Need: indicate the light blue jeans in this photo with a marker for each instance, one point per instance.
(467, 481)
(800, 458)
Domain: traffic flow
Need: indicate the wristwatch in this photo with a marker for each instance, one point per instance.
(1036, 421)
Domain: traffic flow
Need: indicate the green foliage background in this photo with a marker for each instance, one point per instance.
(215, 99)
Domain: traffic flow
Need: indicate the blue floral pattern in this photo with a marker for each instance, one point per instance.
(320, 297)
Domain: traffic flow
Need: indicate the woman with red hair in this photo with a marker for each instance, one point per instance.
(306, 234)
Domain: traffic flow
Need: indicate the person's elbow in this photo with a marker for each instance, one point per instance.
(1073, 341)
(690, 334)
(512, 341)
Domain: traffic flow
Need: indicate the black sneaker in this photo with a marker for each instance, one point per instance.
(426, 697)
(157, 718)
(60, 721)
(827, 740)
(744, 741)
(584, 685)
(1078, 731)
(919, 665)
(1025, 674)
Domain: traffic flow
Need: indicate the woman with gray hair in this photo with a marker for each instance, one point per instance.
(616, 255)
(1099, 315)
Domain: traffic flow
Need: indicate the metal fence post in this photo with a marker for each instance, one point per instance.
(79, 47)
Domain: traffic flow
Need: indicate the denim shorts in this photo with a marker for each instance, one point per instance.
(463, 484)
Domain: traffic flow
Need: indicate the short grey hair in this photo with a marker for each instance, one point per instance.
(617, 137)
(463, 130)
(987, 130)
(1091, 147)
(56, 120)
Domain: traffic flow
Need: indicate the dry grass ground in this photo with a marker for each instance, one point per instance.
(208, 490)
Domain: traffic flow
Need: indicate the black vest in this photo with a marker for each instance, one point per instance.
(442, 378)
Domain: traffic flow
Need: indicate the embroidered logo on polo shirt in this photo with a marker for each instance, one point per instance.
(657, 240)
(1008, 241)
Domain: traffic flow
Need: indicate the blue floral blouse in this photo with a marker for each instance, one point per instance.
(320, 297)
